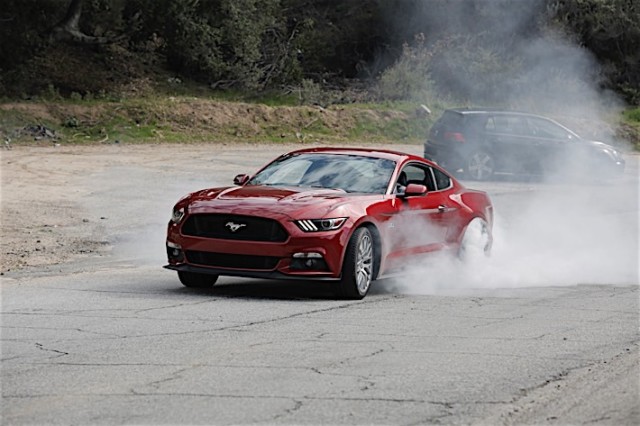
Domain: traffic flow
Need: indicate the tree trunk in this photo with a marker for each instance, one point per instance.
(68, 29)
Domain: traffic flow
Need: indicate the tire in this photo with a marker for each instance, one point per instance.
(476, 241)
(480, 166)
(194, 279)
(358, 266)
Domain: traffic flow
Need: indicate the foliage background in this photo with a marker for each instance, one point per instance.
(263, 45)
(571, 58)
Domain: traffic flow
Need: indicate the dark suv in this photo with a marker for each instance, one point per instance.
(482, 142)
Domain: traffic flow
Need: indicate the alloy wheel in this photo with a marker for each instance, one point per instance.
(364, 263)
(480, 166)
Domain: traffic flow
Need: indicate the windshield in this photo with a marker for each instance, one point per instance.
(350, 173)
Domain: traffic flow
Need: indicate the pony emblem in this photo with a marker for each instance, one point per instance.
(233, 227)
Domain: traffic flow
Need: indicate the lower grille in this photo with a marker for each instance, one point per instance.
(236, 261)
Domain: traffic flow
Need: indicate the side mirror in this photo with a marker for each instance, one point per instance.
(241, 179)
(415, 189)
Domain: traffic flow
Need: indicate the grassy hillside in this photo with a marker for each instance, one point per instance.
(629, 128)
(191, 119)
(183, 119)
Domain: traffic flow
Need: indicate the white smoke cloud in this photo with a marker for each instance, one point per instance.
(550, 235)
(564, 230)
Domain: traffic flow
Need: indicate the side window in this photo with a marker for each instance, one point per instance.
(547, 129)
(512, 125)
(490, 125)
(417, 173)
(442, 180)
(520, 126)
(500, 124)
(428, 180)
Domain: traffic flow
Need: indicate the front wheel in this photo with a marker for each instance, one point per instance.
(194, 279)
(358, 266)
(480, 166)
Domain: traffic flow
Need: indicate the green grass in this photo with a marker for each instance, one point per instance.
(162, 118)
(630, 127)
(632, 116)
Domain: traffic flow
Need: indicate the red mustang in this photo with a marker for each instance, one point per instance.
(345, 215)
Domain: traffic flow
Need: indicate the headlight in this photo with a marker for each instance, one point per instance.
(317, 225)
(611, 152)
(177, 215)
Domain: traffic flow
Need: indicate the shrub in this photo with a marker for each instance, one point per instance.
(409, 78)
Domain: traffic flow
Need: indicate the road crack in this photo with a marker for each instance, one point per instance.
(60, 353)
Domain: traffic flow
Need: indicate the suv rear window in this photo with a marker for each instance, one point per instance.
(451, 119)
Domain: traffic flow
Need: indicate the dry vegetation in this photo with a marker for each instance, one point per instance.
(184, 119)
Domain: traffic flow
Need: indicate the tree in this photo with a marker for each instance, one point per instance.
(611, 30)
(68, 28)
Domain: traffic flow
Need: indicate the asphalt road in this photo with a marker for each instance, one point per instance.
(545, 332)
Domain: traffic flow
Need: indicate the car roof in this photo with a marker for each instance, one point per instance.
(367, 152)
(471, 111)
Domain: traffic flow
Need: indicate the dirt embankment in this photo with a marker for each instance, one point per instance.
(174, 119)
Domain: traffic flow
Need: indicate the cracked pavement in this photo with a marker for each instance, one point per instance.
(115, 339)
(257, 352)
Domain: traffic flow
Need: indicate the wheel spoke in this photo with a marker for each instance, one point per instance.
(364, 259)
(480, 165)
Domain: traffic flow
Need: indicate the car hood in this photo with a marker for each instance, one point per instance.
(600, 145)
(293, 202)
(609, 150)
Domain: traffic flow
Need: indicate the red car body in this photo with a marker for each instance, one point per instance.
(267, 231)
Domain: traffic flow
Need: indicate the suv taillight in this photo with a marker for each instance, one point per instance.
(454, 137)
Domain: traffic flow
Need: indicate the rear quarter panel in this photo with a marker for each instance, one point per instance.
(480, 204)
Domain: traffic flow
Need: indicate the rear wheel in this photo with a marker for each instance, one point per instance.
(480, 165)
(194, 279)
(358, 266)
(476, 241)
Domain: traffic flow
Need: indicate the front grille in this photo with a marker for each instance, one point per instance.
(234, 227)
(237, 261)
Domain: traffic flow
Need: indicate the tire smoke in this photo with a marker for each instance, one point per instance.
(545, 234)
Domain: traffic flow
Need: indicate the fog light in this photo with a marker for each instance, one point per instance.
(310, 261)
(174, 252)
(309, 255)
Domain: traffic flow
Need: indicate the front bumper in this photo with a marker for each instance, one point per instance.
(275, 275)
(277, 260)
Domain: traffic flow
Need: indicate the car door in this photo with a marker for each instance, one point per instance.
(420, 223)
(509, 140)
(550, 142)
